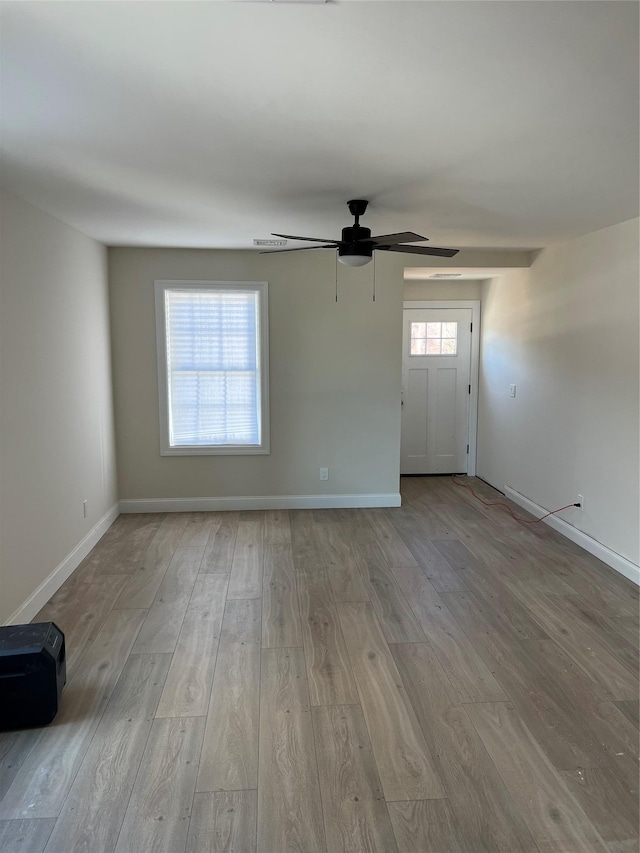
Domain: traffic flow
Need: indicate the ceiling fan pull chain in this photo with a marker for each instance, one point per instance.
(336, 276)
(374, 276)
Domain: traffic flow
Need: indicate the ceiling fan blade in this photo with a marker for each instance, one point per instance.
(311, 239)
(297, 249)
(392, 239)
(420, 250)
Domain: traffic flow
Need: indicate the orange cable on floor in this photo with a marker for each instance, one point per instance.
(506, 506)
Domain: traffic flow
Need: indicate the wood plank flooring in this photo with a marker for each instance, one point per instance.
(430, 679)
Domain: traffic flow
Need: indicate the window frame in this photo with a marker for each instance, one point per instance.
(262, 289)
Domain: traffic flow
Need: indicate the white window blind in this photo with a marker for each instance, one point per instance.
(212, 337)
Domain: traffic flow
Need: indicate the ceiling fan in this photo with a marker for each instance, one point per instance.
(356, 247)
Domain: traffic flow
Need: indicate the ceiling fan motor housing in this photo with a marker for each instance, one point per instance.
(355, 242)
(353, 233)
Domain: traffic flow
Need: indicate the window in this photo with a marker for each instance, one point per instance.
(212, 367)
(434, 339)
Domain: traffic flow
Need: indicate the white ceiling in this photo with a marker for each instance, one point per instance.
(488, 124)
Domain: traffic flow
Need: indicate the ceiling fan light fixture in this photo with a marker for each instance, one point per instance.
(355, 254)
(354, 260)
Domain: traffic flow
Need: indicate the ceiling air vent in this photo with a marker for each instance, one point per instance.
(446, 275)
(269, 242)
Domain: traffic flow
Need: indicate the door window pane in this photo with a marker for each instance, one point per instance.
(434, 338)
(418, 338)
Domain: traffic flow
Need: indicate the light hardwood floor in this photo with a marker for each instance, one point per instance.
(430, 679)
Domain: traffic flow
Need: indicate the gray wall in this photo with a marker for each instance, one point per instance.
(566, 333)
(57, 437)
(334, 376)
(462, 289)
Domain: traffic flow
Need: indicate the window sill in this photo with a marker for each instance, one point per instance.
(226, 450)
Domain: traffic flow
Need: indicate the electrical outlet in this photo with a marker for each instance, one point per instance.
(512, 390)
(581, 502)
(324, 473)
(84, 509)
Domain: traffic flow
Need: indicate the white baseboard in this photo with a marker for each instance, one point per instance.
(260, 502)
(611, 558)
(58, 576)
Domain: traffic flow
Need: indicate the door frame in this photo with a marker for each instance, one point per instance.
(474, 305)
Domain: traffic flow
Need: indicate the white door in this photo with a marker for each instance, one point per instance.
(436, 365)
